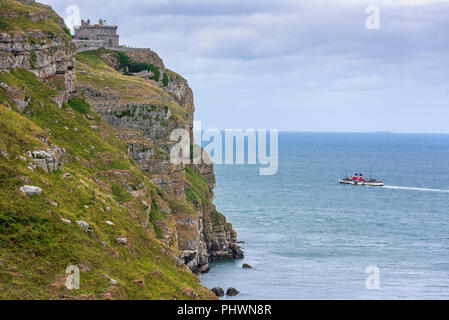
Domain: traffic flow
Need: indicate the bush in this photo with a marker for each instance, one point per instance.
(130, 66)
(33, 59)
(79, 105)
(165, 79)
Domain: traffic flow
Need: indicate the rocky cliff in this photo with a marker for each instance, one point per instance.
(85, 171)
(32, 39)
(144, 111)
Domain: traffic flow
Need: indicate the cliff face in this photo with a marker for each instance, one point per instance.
(44, 50)
(85, 172)
(143, 116)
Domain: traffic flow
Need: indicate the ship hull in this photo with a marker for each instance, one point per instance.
(362, 183)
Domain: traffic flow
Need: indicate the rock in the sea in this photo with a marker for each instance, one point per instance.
(31, 190)
(232, 292)
(204, 269)
(218, 291)
(246, 266)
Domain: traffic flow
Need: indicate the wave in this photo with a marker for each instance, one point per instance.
(417, 189)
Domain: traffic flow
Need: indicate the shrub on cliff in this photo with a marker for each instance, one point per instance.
(165, 79)
(130, 66)
(33, 59)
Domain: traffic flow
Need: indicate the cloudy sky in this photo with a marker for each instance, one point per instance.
(297, 65)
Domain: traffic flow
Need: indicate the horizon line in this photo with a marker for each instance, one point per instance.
(380, 132)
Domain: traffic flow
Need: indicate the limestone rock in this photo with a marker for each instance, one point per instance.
(83, 225)
(31, 190)
(58, 100)
(231, 292)
(246, 266)
(50, 159)
(17, 96)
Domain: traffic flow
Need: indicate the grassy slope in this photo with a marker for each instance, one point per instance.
(14, 17)
(36, 246)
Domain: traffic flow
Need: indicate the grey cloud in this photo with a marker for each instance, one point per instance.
(304, 58)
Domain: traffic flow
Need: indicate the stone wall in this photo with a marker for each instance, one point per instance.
(87, 45)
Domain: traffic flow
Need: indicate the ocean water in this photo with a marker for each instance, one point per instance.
(308, 237)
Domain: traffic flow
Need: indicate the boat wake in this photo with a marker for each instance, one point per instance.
(417, 189)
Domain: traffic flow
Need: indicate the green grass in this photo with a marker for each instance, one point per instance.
(216, 217)
(33, 59)
(99, 75)
(67, 31)
(197, 187)
(130, 66)
(157, 215)
(23, 23)
(80, 105)
(196, 193)
(165, 80)
(120, 194)
(4, 24)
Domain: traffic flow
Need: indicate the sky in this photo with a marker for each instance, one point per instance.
(297, 65)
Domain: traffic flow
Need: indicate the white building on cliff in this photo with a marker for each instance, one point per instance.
(93, 36)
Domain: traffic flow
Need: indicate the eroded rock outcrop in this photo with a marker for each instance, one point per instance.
(218, 235)
(50, 55)
(31, 190)
(50, 159)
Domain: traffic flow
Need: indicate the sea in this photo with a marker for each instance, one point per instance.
(308, 237)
